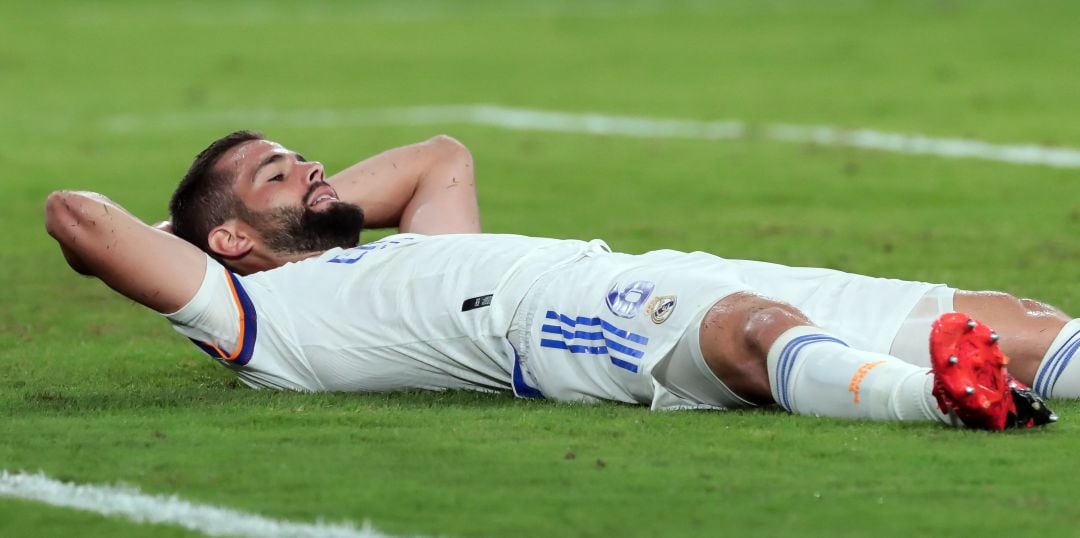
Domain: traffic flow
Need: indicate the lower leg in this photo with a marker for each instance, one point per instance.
(767, 351)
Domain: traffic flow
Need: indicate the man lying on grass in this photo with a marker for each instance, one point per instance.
(263, 272)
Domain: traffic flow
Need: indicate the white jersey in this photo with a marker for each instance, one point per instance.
(407, 311)
(560, 319)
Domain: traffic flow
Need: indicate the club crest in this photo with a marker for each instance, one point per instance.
(660, 308)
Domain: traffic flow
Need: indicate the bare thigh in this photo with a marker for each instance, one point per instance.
(1027, 327)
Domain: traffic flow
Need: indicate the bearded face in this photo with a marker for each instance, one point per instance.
(301, 230)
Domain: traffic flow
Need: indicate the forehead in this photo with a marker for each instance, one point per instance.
(245, 158)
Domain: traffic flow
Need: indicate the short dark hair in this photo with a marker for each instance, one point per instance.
(205, 197)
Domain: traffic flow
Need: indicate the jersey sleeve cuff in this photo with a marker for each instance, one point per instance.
(201, 301)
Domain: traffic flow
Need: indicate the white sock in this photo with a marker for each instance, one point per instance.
(814, 373)
(1058, 375)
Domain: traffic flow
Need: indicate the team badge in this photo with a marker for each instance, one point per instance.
(626, 302)
(660, 308)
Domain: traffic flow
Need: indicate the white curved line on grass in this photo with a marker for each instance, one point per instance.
(525, 119)
(132, 504)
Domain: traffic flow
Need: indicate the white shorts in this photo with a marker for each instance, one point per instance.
(596, 329)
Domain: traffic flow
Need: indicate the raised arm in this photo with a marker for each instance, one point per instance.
(427, 188)
(99, 238)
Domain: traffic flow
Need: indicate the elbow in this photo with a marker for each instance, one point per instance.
(66, 218)
(62, 223)
(452, 148)
(457, 159)
(448, 141)
(59, 214)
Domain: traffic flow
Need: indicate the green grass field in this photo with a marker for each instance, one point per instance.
(95, 389)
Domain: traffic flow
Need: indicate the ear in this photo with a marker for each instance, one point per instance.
(230, 240)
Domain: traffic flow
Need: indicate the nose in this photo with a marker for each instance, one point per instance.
(314, 172)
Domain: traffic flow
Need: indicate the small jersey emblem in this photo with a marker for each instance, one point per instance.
(660, 308)
(476, 302)
(627, 302)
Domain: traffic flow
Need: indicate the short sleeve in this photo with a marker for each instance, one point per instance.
(220, 318)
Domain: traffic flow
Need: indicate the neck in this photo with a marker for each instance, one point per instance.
(289, 258)
(255, 262)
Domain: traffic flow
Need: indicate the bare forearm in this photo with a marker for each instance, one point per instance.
(429, 187)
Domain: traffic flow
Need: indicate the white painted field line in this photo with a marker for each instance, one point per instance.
(926, 145)
(490, 115)
(525, 119)
(132, 504)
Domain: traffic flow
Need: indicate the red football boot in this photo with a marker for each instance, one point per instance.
(970, 379)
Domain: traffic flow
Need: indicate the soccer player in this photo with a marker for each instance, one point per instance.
(263, 272)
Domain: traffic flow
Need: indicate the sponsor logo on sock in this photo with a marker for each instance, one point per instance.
(860, 374)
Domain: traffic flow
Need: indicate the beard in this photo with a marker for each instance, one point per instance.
(300, 230)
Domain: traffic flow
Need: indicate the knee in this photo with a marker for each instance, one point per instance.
(1008, 304)
(1039, 309)
(1000, 299)
(765, 325)
(735, 338)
